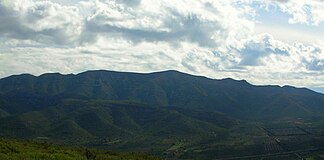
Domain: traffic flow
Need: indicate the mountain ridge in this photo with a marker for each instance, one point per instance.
(166, 88)
(149, 73)
(160, 112)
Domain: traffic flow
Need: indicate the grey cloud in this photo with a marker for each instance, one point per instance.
(181, 28)
(59, 27)
(257, 48)
(315, 65)
(132, 3)
(135, 35)
(26, 23)
(312, 59)
(10, 25)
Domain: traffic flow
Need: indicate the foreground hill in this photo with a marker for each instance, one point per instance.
(116, 125)
(28, 150)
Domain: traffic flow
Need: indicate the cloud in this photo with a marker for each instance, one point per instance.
(203, 22)
(261, 46)
(301, 11)
(130, 2)
(263, 51)
(207, 23)
(312, 57)
(41, 21)
(184, 28)
(316, 65)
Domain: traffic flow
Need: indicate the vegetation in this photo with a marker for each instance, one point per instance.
(240, 99)
(169, 114)
(11, 149)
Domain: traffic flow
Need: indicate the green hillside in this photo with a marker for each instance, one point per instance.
(240, 99)
(117, 125)
(28, 150)
(169, 114)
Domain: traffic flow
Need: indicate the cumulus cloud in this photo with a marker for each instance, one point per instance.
(41, 21)
(261, 46)
(301, 11)
(206, 23)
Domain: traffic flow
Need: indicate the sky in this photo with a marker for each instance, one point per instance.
(279, 42)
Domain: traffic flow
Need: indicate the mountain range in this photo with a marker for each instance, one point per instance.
(155, 112)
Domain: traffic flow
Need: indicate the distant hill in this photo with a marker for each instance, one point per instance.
(158, 112)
